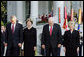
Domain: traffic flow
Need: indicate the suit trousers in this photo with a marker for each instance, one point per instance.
(13, 50)
(50, 50)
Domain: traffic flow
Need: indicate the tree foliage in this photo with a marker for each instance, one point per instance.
(3, 11)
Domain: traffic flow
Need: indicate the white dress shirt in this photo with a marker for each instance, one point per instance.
(2, 31)
(14, 26)
(50, 27)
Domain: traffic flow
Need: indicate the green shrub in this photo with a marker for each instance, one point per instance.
(2, 24)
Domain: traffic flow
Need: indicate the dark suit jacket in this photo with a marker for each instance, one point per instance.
(2, 37)
(71, 40)
(16, 37)
(53, 40)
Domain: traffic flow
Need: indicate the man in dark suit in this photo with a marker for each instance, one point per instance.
(51, 38)
(2, 39)
(14, 38)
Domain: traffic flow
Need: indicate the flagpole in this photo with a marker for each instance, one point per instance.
(79, 20)
(59, 20)
(71, 11)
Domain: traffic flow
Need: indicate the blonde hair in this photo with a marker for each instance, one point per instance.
(71, 23)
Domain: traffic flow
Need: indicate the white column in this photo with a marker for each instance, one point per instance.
(82, 5)
(40, 7)
(21, 12)
(11, 9)
(34, 12)
(56, 5)
(74, 4)
(54, 8)
(43, 7)
(16, 8)
(34, 15)
(68, 6)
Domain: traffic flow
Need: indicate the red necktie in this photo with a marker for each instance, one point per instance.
(13, 28)
(51, 31)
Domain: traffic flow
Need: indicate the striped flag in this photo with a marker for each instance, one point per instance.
(79, 19)
(59, 15)
(65, 25)
(71, 14)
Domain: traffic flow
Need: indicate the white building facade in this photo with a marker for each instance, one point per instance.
(22, 9)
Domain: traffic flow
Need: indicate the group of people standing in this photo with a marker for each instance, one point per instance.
(15, 36)
(51, 40)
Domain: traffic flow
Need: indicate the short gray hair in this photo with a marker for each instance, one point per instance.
(13, 17)
(50, 18)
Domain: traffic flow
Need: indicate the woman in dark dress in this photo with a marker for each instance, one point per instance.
(29, 39)
(71, 41)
